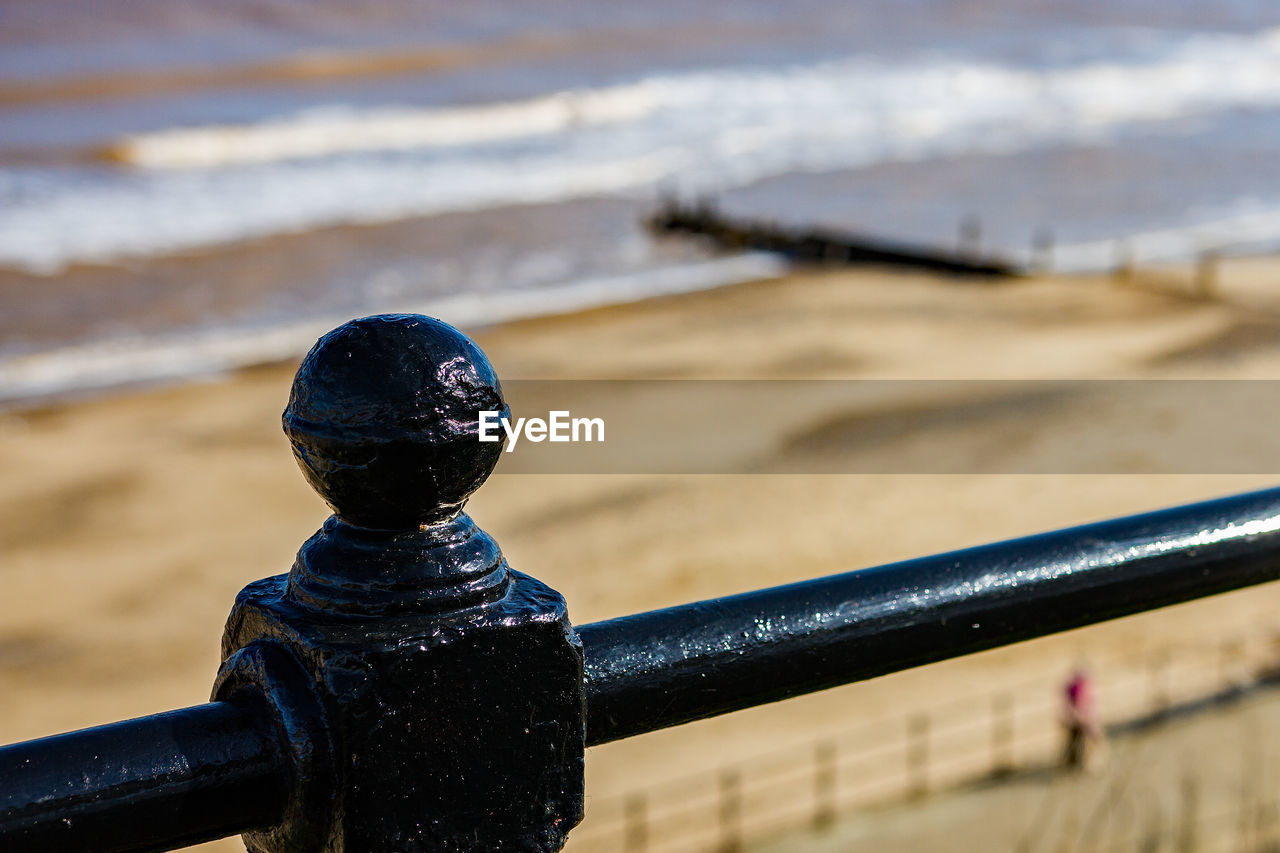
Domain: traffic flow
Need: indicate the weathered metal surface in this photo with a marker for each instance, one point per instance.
(154, 783)
(451, 685)
(667, 667)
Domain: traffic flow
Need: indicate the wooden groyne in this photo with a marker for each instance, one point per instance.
(819, 245)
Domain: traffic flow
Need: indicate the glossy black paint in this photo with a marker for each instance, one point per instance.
(152, 783)
(268, 676)
(667, 667)
(382, 418)
(448, 687)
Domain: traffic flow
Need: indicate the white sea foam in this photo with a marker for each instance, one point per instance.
(127, 361)
(337, 130)
(696, 131)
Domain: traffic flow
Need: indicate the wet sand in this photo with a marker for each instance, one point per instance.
(324, 271)
(130, 522)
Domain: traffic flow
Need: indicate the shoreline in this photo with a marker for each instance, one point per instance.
(74, 372)
(66, 374)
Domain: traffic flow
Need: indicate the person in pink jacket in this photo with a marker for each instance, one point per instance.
(1080, 720)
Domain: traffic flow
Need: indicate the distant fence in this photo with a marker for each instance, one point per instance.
(1225, 800)
(1244, 819)
(900, 758)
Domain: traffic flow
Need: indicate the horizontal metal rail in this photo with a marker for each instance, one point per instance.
(153, 783)
(666, 667)
(217, 769)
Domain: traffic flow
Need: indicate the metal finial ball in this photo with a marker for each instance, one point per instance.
(383, 417)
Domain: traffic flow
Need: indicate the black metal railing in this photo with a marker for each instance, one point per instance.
(402, 688)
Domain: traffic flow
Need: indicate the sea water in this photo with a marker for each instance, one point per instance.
(186, 187)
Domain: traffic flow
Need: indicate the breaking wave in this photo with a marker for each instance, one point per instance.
(694, 131)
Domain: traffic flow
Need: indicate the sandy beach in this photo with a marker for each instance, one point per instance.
(129, 522)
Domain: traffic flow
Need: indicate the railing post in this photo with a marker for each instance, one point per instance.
(1207, 274)
(730, 811)
(1188, 815)
(1251, 777)
(824, 784)
(918, 755)
(1158, 696)
(969, 233)
(1124, 270)
(1042, 250)
(1230, 652)
(1002, 715)
(1152, 839)
(449, 687)
(637, 824)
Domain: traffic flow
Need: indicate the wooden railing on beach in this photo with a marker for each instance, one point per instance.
(986, 735)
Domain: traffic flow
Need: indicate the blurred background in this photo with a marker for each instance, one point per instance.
(191, 192)
(231, 168)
